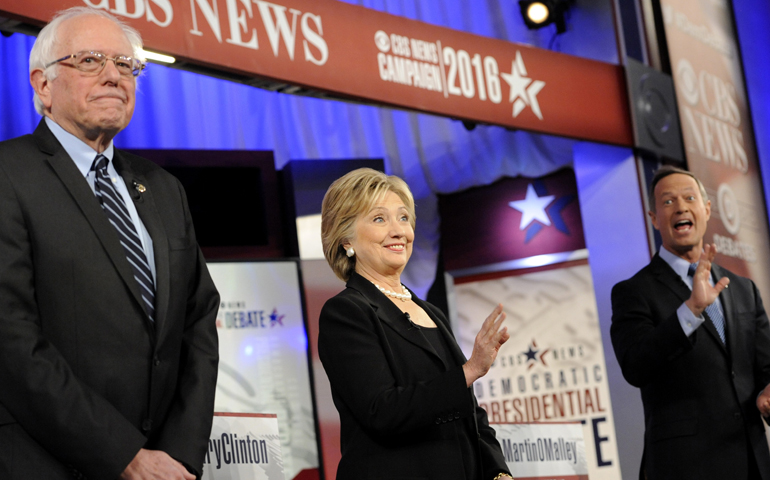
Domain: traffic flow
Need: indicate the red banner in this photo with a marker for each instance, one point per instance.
(374, 57)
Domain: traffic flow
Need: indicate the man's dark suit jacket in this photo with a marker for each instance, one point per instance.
(699, 396)
(85, 379)
(403, 411)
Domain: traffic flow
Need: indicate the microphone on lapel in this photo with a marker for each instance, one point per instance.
(409, 319)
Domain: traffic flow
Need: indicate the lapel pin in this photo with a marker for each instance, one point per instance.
(139, 187)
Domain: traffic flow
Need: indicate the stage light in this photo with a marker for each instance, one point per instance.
(541, 13)
(538, 13)
(158, 57)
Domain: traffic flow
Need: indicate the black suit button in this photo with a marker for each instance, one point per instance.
(156, 361)
(737, 415)
(438, 420)
(443, 419)
(732, 373)
(146, 425)
(457, 414)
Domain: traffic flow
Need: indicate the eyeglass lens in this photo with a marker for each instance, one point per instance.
(95, 62)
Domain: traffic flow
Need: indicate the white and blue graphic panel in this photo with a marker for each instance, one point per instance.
(263, 364)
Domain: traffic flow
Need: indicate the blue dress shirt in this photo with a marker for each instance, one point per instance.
(84, 156)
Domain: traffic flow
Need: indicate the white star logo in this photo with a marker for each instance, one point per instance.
(523, 90)
(533, 208)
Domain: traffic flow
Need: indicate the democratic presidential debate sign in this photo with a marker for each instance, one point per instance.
(356, 53)
(551, 370)
(263, 363)
(543, 451)
(243, 445)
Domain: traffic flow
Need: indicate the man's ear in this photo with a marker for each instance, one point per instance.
(42, 87)
(653, 219)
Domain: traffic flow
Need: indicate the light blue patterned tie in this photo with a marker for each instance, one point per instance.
(117, 213)
(713, 312)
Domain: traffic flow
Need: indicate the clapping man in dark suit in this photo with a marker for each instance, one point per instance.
(698, 350)
(108, 343)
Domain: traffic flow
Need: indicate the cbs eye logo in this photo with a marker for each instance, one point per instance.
(688, 81)
(382, 41)
(729, 210)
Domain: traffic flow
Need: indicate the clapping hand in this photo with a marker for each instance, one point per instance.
(703, 294)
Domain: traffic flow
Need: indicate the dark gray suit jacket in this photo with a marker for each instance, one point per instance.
(403, 411)
(85, 379)
(699, 395)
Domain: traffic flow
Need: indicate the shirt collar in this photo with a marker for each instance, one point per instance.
(79, 152)
(679, 264)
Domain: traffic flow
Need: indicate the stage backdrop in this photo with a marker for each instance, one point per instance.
(263, 364)
(718, 133)
(520, 242)
(513, 223)
(552, 368)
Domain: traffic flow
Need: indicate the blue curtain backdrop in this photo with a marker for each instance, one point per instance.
(752, 18)
(176, 109)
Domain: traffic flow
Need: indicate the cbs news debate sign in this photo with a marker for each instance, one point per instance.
(551, 370)
(243, 445)
(263, 363)
(356, 53)
(543, 451)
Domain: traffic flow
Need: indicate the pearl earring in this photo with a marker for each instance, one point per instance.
(350, 252)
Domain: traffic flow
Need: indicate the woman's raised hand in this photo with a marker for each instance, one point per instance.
(488, 342)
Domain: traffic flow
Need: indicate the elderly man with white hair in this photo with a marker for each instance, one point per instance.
(108, 343)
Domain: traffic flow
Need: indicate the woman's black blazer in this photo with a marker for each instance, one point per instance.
(403, 411)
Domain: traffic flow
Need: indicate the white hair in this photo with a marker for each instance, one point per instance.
(43, 50)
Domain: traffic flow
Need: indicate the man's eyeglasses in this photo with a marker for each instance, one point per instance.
(94, 62)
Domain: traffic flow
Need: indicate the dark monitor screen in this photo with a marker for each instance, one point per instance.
(233, 197)
(227, 204)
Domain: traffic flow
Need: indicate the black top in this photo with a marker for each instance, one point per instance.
(437, 340)
(439, 344)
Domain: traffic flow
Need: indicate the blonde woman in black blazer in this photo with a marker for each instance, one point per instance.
(399, 380)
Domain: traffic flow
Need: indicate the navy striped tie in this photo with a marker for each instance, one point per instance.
(117, 213)
(713, 312)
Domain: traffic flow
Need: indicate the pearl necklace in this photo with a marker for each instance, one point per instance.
(401, 296)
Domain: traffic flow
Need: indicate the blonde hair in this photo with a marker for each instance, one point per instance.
(351, 195)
